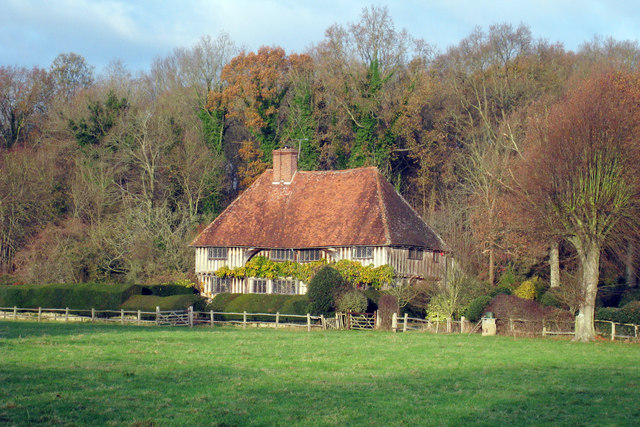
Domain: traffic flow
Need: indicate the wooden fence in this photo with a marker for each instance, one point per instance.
(513, 327)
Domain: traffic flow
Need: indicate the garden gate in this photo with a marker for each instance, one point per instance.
(361, 320)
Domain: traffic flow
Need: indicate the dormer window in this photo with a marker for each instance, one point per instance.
(362, 252)
(415, 253)
(217, 253)
(282, 254)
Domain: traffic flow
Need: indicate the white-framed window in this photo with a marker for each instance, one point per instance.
(415, 253)
(217, 253)
(308, 255)
(362, 252)
(260, 286)
(285, 286)
(282, 254)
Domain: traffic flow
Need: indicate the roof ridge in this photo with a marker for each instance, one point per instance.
(383, 210)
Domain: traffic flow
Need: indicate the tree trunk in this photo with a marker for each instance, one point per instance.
(492, 274)
(554, 264)
(589, 255)
(630, 266)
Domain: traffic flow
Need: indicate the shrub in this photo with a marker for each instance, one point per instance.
(323, 288)
(628, 296)
(354, 301)
(501, 290)
(298, 304)
(549, 299)
(173, 302)
(608, 313)
(387, 305)
(475, 309)
(82, 296)
(220, 301)
(527, 290)
(373, 296)
(167, 290)
(630, 313)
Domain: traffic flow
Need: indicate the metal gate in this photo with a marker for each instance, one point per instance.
(173, 318)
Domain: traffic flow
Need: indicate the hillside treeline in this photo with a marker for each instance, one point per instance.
(108, 177)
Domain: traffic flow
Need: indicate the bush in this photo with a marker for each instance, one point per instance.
(220, 301)
(527, 290)
(475, 309)
(323, 288)
(81, 296)
(608, 313)
(373, 296)
(549, 299)
(167, 290)
(354, 301)
(260, 303)
(501, 290)
(630, 313)
(628, 296)
(173, 302)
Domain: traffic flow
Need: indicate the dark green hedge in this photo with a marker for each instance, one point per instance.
(73, 295)
(260, 303)
(167, 290)
(630, 313)
(173, 302)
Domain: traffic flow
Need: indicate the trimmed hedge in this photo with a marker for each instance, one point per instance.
(630, 313)
(173, 302)
(260, 303)
(167, 290)
(80, 296)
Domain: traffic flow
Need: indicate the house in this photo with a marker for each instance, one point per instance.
(303, 216)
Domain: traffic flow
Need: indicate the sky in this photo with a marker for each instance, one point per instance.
(135, 32)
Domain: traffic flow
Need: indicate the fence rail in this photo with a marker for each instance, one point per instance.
(514, 327)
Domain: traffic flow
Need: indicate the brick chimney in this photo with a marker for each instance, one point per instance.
(285, 165)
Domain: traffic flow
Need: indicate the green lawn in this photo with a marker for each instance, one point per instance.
(74, 374)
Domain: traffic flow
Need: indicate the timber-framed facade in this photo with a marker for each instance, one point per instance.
(291, 215)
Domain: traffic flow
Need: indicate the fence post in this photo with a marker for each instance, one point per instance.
(66, 314)
(463, 324)
(277, 318)
(139, 316)
(448, 325)
(406, 319)
(613, 331)
(244, 320)
(635, 331)
(544, 331)
(93, 314)
(394, 322)
(122, 316)
(39, 313)
(191, 316)
(324, 323)
(376, 320)
(157, 315)
(211, 313)
(511, 326)
(308, 322)
(15, 312)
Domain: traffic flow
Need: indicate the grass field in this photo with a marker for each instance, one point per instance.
(74, 374)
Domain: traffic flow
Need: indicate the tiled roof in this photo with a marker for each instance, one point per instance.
(320, 209)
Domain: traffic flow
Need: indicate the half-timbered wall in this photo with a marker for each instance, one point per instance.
(430, 265)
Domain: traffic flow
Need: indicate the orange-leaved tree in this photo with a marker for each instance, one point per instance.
(578, 176)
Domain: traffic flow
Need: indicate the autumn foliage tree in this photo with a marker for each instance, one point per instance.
(578, 176)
